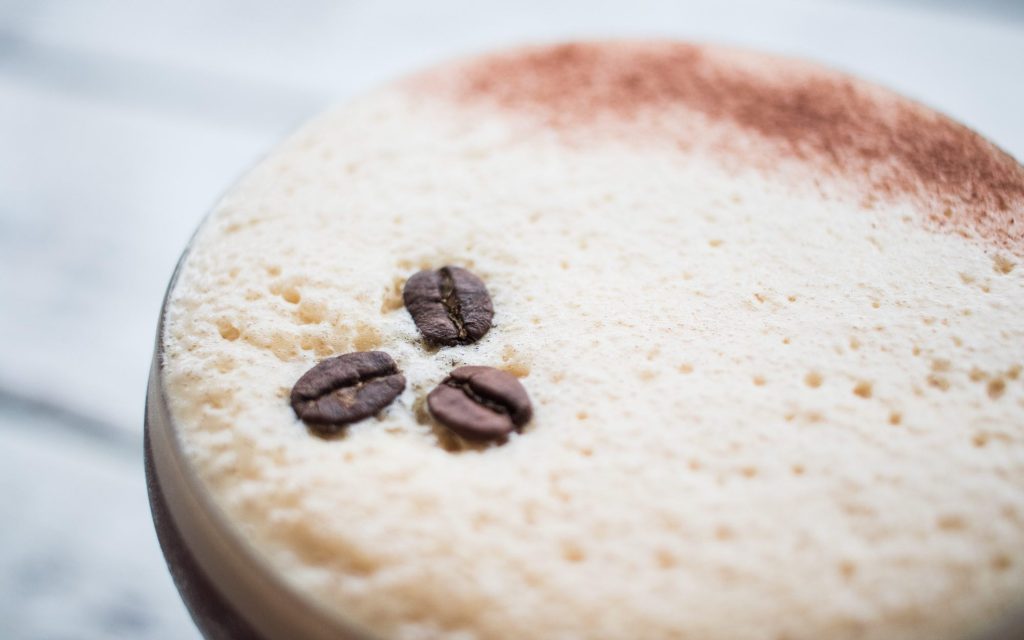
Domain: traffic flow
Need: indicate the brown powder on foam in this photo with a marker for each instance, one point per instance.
(841, 126)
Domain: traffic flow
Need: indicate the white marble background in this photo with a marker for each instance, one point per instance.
(121, 122)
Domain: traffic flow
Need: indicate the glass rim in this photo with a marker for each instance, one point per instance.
(220, 547)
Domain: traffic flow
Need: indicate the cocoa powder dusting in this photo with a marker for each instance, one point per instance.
(887, 145)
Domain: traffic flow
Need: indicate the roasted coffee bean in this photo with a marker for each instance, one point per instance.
(480, 403)
(345, 389)
(450, 306)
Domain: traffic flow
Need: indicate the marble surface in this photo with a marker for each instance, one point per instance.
(121, 122)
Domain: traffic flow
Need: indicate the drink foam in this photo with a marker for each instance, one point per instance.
(768, 316)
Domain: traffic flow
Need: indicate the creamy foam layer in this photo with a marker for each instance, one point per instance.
(771, 401)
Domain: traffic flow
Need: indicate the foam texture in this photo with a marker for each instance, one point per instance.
(772, 400)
